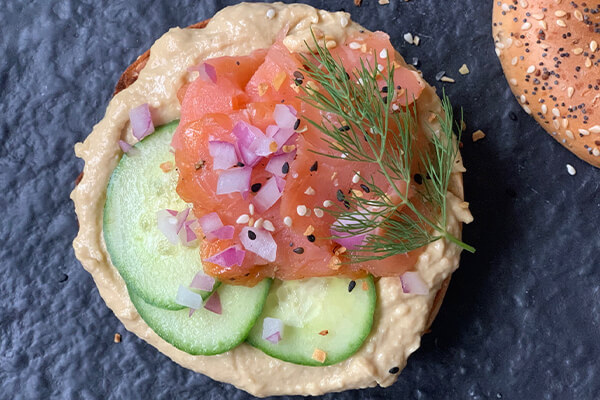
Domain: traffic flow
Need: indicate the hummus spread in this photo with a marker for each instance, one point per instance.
(400, 318)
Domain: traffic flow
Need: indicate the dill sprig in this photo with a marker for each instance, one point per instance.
(373, 132)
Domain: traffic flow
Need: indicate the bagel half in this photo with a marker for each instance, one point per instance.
(550, 53)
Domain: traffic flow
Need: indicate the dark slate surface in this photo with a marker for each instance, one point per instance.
(521, 319)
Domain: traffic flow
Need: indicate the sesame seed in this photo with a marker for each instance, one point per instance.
(251, 235)
(447, 79)
(593, 45)
(340, 195)
(270, 13)
(571, 170)
(256, 187)
(531, 69)
(523, 99)
(409, 38)
(578, 15)
(318, 212)
(569, 134)
(251, 208)
(287, 221)
(365, 188)
(268, 225)
(242, 219)
(351, 286)
(527, 109)
(117, 338)
(310, 191)
(301, 210)
(596, 152)
(285, 168)
(380, 67)
(296, 124)
(383, 53)
(543, 24)
(327, 203)
(570, 91)
(394, 370)
(295, 175)
(311, 238)
(584, 132)
(354, 45)
(298, 250)
(595, 129)
(513, 82)
(344, 22)
(538, 16)
(331, 44)
(556, 112)
(416, 40)
(544, 109)
(560, 22)
(259, 222)
(356, 177)
(577, 51)
(560, 13)
(526, 26)
(314, 167)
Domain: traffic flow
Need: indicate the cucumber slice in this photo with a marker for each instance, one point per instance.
(312, 306)
(151, 266)
(207, 333)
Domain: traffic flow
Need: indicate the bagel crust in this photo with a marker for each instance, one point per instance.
(550, 53)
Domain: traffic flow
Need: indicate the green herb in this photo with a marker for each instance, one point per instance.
(375, 133)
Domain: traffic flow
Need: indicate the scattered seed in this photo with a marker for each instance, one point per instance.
(251, 235)
(409, 38)
(365, 188)
(270, 13)
(285, 168)
(301, 210)
(356, 177)
(324, 332)
(354, 45)
(340, 195)
(383, 53)
(310, 191)
(314, 167)
(268, 226)
(327, 203)
(478, 135)
(571, 170)
(298, 250)
(242, 219)
(297, 124)
(394, 370)
(117, 338)
(351, 286)
(287, 221)
(258, 224)
(311, 238)
(318, 212)
(418, 179)
(251, 208)
(447, 79)
(256, 187)
(298, 75)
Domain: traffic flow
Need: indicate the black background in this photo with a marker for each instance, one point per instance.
(521, 319)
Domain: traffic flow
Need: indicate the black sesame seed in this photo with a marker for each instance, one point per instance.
(311, 238)
(299, 250)
(297, 124)
(256, 187)
(344, 128)
(64, 278)
(394, 370)
(239, 164)
(298, 74)
(251, 235)
(291, 244)
(385, 99)
(351, 286)
(419, 179)
(384, 89)
(346, 204)
(285, 168)
(512, 116)
(365, 188)
(314, 167)
(298, 82)
(340, 195)
(237, 63)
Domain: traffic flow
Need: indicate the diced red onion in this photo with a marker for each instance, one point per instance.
(182, 217)
(275, 164)
(187, 236)
(125, 146)
(285, 116)
(263, 145)
(245, 135)
(234, 180)
(229, 257)
(224, 232)
(209, 223)
(214, 303)
(207, 72)
(167, 224)
(185, 297)
(272, 330)
(280, 135)
(202, 281)
(272, 130)
(346, 238)
(141, 121)
(268, 195)
(223, 154)
(413, 283)
(280, 183)
(263, 245)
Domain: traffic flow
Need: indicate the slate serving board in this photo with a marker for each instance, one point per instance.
(521, 319)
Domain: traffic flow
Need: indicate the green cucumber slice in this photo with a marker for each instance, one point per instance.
(207, 333)
(310, 306)
(152, 267)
